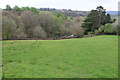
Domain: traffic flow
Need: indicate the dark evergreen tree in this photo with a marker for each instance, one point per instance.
(8, 7)
(91, 21)
(108, 19)
(95, 19)
(16, 8)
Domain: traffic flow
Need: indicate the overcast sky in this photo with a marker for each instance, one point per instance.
(84, 5)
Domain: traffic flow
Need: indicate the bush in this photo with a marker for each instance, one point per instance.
(30, 21)
(9, 28)
(96, 32)
(38, 32)
(107, 29)
(76, 29)
(115, 26)
(46, 22)
(21, 35)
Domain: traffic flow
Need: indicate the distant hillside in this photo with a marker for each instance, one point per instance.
(75, 13)
(112, 12)
(68, 12)
(109, 12)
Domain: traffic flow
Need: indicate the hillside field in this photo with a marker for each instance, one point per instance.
(92, 57)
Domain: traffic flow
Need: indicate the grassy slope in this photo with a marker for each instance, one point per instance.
(94, 57)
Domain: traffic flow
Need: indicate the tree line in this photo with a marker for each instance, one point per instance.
(29, 22)
(22, 23)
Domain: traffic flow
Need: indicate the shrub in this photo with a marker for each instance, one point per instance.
(38, 32)
(76, 29)
(89, 33)
(21, 35)
(97, 32)
(47, 22)
(30, 21)
(115, 26)
(9, 28)
(107, 29)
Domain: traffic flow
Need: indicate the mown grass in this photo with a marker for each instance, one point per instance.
(93, 57)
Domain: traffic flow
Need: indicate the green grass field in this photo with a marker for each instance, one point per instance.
(93, 57)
